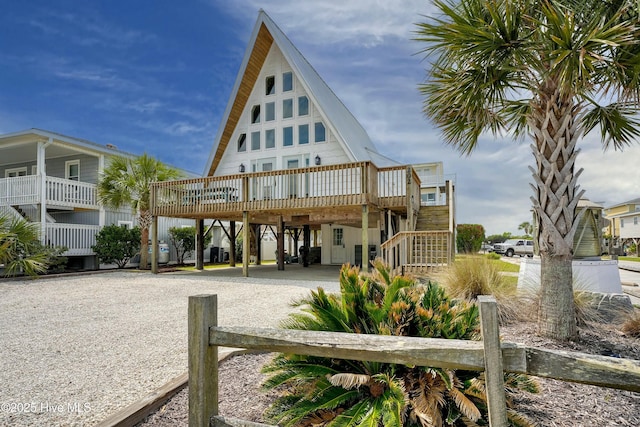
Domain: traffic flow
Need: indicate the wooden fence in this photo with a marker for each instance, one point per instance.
(489, 355)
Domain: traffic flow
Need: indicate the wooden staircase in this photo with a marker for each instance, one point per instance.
(429, 248)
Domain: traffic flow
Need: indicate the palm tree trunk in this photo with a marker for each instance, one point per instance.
(554, 125)
(145, 222)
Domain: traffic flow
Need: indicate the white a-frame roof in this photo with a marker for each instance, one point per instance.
(348, 131)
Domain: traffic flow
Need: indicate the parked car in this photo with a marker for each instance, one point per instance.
(513, 247)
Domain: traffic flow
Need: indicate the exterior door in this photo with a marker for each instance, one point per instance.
(338, 250)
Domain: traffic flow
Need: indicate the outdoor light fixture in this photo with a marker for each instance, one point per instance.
(241, 168)
(317, 160)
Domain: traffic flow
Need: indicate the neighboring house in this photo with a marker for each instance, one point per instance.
(291, 156)
(50, 179)
(624, 222)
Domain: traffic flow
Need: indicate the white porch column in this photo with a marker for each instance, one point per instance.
(101, 213)
(42, 173)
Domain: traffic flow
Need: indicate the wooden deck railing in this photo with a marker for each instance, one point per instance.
(488, 355)
(417, 251)
(351, 184)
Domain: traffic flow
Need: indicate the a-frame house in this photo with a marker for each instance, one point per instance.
(290, 155)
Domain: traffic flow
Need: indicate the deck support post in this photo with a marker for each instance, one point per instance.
(246, 243)
(256, 227)
(199, 244)
(365, 237)
(306, 242)
(232, 244)
(280, 238)
(154, 244)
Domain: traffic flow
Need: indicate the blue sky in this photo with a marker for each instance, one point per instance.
(155, 75)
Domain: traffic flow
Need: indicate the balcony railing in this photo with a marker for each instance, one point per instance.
(78, 238)
(26, 190)
(352, 184)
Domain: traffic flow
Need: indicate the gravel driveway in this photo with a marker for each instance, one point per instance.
(74, 350)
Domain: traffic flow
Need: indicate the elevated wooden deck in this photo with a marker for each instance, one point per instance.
(312, 195)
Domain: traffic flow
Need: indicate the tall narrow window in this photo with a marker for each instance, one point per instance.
(303, 134)
(72, 170)
(269, 111)
(255, 114)
(320, 133)
(269, 138)
(270, 85)
(287, 108)
(242, 143)
(303, 106)
(255, 140)
(287, 136)
(287, 81)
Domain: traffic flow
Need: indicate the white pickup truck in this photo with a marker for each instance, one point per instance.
(513, 247)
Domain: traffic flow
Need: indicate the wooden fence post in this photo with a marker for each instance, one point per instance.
(493, 372)
(203, 360)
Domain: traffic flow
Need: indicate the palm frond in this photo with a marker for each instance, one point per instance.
(618, 124)
(349, 381)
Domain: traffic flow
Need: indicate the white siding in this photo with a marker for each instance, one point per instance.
(330, 151)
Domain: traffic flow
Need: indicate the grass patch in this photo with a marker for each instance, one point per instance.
(629, 258)
(473, 275)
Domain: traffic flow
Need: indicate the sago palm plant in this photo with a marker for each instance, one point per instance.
(333, 392)
(20, 249)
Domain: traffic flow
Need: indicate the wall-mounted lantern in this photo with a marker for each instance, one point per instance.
(241, 168)
(317, 160)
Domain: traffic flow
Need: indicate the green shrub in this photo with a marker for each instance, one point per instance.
(469, 237)
(492, 256)
(184, 240)
(117, 244)
(334, 392)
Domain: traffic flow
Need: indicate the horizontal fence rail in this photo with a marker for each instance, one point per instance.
(488, 355)
(350, 184)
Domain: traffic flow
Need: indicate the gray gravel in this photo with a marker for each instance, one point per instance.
(74, 350)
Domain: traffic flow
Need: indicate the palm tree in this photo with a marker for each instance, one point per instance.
(553, 69)
(125, 182)
(526, 227)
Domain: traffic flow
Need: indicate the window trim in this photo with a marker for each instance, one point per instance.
(283, 108)
(126, 224)
(315, 133)
(284, 139)
(17, 170)
(299, 98)
(300, 126)
(290, 73)
(255, 119)
(268, 92)
(273, 132)
(253, 134)
(266, 111)
(69, 163)
(244, 141)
